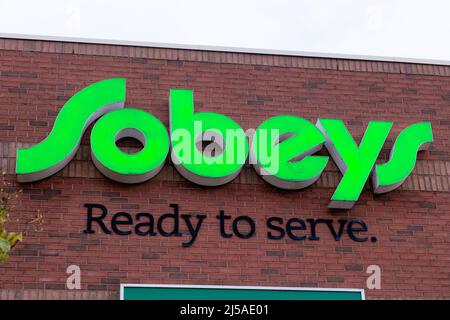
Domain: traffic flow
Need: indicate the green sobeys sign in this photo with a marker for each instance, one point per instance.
(282, 149)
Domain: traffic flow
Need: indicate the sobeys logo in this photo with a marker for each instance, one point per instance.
(281, 149)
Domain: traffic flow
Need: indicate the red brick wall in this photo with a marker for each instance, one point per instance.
(412, 224)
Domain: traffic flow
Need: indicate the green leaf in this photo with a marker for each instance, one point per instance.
(4, 245)
(4, 257)
(13, 237)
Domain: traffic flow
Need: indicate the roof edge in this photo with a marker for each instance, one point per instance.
(305, 54)
(261, 59)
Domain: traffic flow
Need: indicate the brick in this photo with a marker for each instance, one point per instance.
(427, 204)
(344, 249)
(178, 276)
(150, 255)
(335, 279)
(269, 271)
(151, 76)
(170, 269)
(55, 286)
(17, 90)
(275, 253)
(353, 267)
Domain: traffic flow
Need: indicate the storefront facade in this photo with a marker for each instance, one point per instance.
(408, 229)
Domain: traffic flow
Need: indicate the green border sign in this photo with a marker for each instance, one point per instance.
(193, 292)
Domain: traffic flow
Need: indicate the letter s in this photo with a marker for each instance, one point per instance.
(389, 176)
(55, 152)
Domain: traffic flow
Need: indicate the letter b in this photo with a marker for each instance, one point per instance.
(189, 130)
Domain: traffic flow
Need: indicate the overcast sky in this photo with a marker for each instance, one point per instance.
(389, 28)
